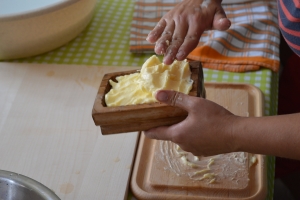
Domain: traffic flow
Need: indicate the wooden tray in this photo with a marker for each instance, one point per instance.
(122, 119)
(153, 178)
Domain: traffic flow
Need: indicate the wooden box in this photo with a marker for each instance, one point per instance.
(140, 117)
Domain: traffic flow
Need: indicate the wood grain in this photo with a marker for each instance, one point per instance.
(47, 132)
(122, 119)
(152, 178)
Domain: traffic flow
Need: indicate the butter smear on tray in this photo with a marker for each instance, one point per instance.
(140, 88)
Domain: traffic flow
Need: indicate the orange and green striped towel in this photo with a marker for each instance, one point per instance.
(251, 42)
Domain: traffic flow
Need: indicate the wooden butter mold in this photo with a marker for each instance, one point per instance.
(122, 119)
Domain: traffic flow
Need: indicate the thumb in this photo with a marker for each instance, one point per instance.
(221, 22)
(174, 98)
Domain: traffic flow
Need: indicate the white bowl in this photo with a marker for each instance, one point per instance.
(32, 27)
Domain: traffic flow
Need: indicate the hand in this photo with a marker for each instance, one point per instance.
(206, 131)
(179, 31)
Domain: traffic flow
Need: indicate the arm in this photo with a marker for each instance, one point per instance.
(273, 135)
(179, 31)
(210, 129)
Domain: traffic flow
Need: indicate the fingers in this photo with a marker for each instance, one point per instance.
(159, 133)
(164, 133)
(176, 41)
(165, 39)
(221, 22)
(175, 99)
(174, 132)
(155, 34)
(190, 42)
(178, 32)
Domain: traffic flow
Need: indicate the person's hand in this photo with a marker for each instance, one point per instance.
(206, 131)
(179, 31)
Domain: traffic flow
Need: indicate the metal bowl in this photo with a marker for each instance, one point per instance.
(16, 186)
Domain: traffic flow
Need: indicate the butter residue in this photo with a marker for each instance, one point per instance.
(231, 168)
(139, 88)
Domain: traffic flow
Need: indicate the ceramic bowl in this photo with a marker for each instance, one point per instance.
(29, 28)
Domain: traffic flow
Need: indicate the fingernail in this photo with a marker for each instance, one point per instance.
(149, 36)
(225, 21)
(161, 96)
(166, 60)
(180, 54)
(159, 49)
(169, 57)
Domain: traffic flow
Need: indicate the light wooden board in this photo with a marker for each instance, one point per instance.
(154, 177)
(47, 132)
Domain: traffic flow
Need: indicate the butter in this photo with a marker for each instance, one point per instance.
(140, 88)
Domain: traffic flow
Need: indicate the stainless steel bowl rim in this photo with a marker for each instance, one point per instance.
(29, 183)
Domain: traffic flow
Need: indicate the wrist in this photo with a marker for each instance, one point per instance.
(235, 131)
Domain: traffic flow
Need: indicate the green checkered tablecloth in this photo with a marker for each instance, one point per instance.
(106, 42)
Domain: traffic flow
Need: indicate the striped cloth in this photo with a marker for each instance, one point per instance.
(289, 23)
(251, 42)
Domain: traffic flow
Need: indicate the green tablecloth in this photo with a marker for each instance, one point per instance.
(106, 42)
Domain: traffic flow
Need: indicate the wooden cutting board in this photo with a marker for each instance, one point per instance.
(159, 172)
(47, 132)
